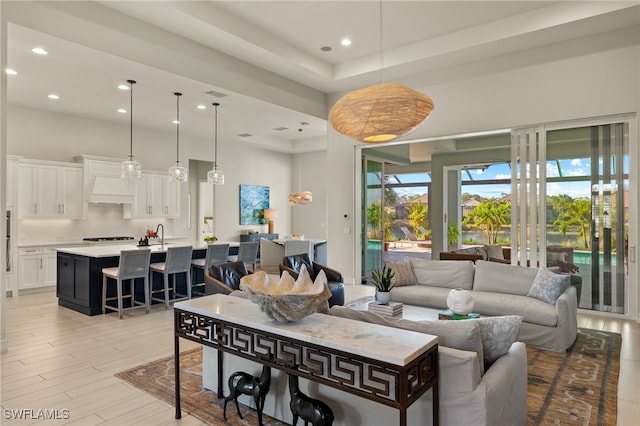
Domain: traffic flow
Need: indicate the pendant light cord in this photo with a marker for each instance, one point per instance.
(131, 83)
(215, 144)
(178, 127)
(381, 54)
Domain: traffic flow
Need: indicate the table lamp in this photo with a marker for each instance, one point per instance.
(269, 214)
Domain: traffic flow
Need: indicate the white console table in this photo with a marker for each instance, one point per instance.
(386, 365)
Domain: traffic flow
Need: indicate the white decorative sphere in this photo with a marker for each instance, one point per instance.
(460, 301)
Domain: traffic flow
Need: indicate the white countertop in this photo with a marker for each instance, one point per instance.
(392, 345)
(110, 250)
(315, 241)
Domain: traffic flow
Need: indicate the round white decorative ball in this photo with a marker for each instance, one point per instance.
(460, 301)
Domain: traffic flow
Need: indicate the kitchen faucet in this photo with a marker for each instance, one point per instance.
(162, 235)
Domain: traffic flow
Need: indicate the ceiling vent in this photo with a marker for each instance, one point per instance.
(216, 94)
(245, 135)
(280, 129)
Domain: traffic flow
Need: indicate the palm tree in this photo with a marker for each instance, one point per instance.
(491, 215)
(579, 214)
(418, 214)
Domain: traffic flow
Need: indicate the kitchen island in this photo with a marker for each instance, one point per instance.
(79, 272)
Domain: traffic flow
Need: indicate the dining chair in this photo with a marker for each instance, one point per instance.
(270, 253)
(178, 261)
(247, 253)
(216, 254)
(133, 264)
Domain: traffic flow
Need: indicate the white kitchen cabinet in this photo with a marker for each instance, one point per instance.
(154, 196)
(37, 267)
(172, 200)
(30, 268)
(49, 191)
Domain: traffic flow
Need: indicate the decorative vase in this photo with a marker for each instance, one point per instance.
(383, 297)
(460, 301)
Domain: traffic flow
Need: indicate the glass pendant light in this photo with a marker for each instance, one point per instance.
(178, 173)
(130, 168)
(215, 176)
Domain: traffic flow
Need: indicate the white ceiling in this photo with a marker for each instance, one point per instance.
(285, 37)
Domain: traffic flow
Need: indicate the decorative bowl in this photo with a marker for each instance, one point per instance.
(288, 300)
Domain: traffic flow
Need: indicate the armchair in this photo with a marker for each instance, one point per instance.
(224, 278)
(292, 265)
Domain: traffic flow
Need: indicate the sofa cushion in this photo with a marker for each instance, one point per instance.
(403, 274)
(533, 311)
(494, 252)
(421, 295)
(548, 286)
(502, 278)
(443, 273)
(498, 334)
(464, 335)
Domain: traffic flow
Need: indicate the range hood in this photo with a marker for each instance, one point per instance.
(108, 189)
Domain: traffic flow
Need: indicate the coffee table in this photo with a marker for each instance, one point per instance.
(410, 312)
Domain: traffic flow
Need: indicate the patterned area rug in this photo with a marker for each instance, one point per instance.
(576, 388)
(579, 387)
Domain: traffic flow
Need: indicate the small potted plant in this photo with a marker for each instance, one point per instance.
(382, 279)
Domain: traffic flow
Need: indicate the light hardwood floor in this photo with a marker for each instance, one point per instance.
(59, 359)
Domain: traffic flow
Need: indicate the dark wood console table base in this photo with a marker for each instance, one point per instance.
(389, 384)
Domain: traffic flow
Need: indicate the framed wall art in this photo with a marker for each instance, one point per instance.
(253, 200)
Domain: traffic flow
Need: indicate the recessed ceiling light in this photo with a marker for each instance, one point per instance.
(39, 51)
(175, 122)
(122, 110)
(345, 42)
(10, 71)
(53, 96)
(123, 87)
(326, 48)
(201, 106)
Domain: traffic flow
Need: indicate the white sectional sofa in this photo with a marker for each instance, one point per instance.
(483, 370)
(497, 289)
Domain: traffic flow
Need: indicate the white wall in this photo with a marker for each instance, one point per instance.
(309, 173)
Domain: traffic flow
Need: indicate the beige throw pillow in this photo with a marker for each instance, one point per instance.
(403, 274)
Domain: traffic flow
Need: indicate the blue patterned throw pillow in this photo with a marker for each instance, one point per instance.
(548, 286)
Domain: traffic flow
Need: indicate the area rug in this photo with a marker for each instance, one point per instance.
(579, 387)
(576, 388)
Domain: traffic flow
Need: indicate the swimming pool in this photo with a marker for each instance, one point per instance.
(584, 258)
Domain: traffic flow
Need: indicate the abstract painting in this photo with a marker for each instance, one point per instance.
(253, 200)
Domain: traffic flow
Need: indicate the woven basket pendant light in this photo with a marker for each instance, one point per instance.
(380, 113)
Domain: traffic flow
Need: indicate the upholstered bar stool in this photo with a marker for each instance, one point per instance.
(247, 253)
(133, 264)
(216, 254)
(178, 261)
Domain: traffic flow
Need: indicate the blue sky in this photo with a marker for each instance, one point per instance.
(563, 168)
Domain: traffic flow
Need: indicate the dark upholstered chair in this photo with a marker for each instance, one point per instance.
(292, 265)
(224, 278)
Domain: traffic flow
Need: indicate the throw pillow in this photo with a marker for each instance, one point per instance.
(498, 334)
(548, 286)
(494, 251)
(403, 274)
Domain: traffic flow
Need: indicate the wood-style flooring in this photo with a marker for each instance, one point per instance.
(65, 362)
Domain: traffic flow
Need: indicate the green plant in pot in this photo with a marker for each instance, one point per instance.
(383, 280)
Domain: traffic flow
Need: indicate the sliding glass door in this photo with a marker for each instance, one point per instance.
(373, 215)
(573, 214)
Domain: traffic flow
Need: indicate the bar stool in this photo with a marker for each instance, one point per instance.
(216, 254)
(247, 253)
(178, 261)
(132, 264)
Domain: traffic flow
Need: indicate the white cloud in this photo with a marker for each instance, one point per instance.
(503, 176)
(576, 162)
